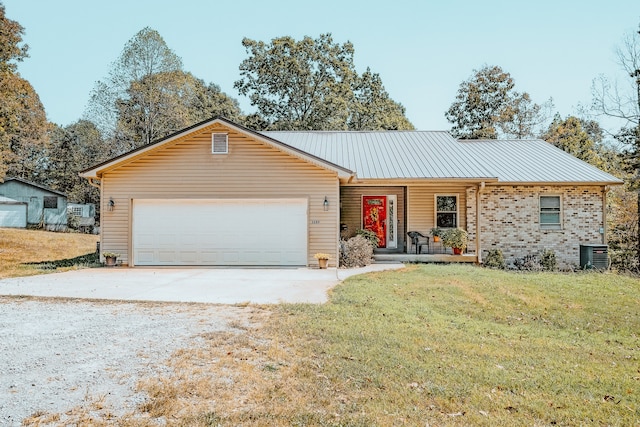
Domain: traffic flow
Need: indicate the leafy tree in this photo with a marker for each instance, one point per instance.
(622, 221)
(487, 106)
(12, 49)
(373, 109)
(313, 84)
(209, 101)
(72, 149)
(481, 103)
(147, 95)
(23, 123)
(527, 117)
(570, 135)
(144, 56)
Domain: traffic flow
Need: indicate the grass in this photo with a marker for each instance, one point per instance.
(455, 345)
(29, 252)
(437, 345)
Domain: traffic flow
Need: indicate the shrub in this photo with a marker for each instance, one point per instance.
(528, 263)
(73, 221)
(370, 236)
(356, 252)
(548, 260)
(495, 259)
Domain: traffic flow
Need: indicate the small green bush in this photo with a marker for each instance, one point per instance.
(495, 259)
(356, 252)
(548, 260)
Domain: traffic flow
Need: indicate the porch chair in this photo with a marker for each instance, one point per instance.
(418, 240)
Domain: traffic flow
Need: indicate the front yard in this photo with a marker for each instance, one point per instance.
(438, 345)
(429, 345)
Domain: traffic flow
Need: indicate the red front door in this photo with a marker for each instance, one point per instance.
(374, 217)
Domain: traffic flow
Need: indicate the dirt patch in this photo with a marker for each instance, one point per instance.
(57, 356)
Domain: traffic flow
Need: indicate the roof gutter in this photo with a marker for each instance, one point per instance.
(427, 181)
(556, 183)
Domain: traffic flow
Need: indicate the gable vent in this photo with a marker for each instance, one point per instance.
(219, 143)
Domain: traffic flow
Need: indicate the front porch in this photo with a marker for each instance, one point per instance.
(424, 258)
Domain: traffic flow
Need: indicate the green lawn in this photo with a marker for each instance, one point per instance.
(460, 345)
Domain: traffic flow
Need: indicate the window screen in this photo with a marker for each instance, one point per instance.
(51, 202)
(447, 211)
(550, 212)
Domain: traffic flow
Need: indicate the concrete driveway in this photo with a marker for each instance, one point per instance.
(205, 285)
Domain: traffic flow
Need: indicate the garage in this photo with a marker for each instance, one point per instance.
(220, 232)
(13, 214)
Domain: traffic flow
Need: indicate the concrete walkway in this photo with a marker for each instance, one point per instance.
(205, 285)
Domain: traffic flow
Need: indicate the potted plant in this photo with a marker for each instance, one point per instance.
(323, 259)
(110, 258)
(436, 232)
(456, 239)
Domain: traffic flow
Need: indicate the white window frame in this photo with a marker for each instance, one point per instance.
(548, 225)
(75, 210)
(436, 211)
(219, 147)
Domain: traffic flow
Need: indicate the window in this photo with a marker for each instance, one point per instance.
(447, 211)
(75, 210)
(51, 202)
(550, 212)
(219, 143)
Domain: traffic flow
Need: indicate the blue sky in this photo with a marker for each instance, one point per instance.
(422, 50)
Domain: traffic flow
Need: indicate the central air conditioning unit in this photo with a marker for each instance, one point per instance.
(594, 256)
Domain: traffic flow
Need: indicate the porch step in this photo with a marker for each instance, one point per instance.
(424, 258)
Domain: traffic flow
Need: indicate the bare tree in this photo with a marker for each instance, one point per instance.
(622, 101)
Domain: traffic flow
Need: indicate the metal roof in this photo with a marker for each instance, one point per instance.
(533, 160)
(33, 184)
(437, 155)
(389, 154)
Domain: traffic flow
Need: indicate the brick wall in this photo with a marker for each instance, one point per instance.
(510, 221)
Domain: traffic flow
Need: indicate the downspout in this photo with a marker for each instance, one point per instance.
(481, 188)
(605, 190)
(99, 187)
(93, 184)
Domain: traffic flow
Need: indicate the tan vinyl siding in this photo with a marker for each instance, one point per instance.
(421, 209)
(187, 169)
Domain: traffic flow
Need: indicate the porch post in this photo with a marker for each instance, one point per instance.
(478, 216)
(605, 238)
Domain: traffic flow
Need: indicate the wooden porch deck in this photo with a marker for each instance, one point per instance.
(424, 258)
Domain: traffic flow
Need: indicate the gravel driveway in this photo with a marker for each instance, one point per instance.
(56, 355)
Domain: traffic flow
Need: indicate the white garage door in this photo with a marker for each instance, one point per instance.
(13, 215)
(220, 232)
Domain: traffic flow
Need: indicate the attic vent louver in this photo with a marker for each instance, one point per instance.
(219, 143)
